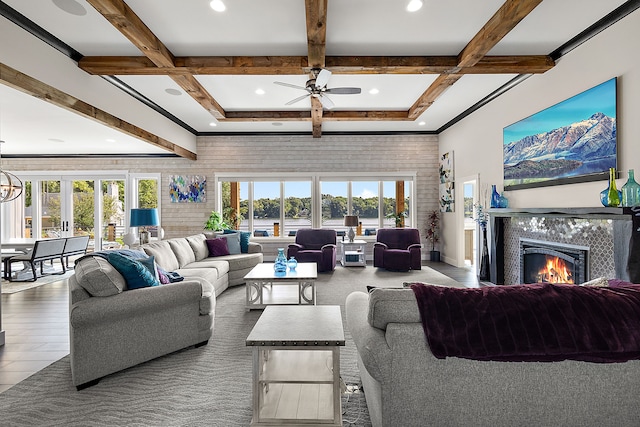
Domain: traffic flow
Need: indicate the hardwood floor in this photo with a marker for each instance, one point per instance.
(37, 330)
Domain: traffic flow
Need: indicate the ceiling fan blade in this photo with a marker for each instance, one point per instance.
(290, 85)
(323, 78)
(344, 90)
(300, 98)
(327, 102)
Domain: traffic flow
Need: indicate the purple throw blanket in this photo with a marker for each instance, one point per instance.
(538, 322)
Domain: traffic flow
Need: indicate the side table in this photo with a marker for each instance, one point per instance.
(354, 253)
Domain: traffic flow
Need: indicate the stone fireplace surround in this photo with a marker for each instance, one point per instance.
(612, 235)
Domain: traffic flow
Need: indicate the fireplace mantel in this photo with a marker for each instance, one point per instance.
(588, 212)
(624, 236)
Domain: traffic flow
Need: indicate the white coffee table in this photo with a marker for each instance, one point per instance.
(265, 287)
(296, 366)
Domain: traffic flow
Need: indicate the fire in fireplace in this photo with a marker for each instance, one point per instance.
(555, 270)
(550, 262)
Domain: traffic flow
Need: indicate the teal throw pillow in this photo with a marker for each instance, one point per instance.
(150, 264)
(136, 275)
(244, 241)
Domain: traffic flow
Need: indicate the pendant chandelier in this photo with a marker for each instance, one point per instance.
(10, 185)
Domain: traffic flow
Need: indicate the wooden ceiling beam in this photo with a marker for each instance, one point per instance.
(284, 116)
(510, 14)
(433, 92)
(294, 65)
(504, 20)
(124, 19)
(316, 13)
(26, 84)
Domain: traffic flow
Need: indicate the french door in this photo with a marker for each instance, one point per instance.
(65, 206)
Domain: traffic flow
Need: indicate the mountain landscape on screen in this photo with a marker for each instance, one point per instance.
(581, 148)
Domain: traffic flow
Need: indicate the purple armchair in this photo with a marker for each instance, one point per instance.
(398, 249)
(315, 245)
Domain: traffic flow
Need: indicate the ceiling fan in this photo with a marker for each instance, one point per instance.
(317, 87)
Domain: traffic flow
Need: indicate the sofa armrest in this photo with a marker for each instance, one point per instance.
(414, 246)
(375, 353)
(380, 245)
(128, 304)
(254, 248)
(292, 249)
(330, 246)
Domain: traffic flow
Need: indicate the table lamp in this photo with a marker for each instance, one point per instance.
(143, 218)
(351, 221)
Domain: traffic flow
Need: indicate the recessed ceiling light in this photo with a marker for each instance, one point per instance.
(374, 91)
(172, 91)
(422, 123)
(276, 124)
(218, 6)
(71, 6)
(214, 124)
(110, 140)
(56, 140)
(414, 5)
(260, 91)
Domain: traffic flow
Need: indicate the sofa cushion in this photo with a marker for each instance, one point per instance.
(136, 274)
(198, 246)
(233, 242)
(242, 261)
(98, 277)
(182, 250)
(217, 247)
(163, 254)
(217, 263)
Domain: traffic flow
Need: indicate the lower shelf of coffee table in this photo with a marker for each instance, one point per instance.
(290, 402)
(297, 386)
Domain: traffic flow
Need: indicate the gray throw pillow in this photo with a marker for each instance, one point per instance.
(98, 277)
(233, 242)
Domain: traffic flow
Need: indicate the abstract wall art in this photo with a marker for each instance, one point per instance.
(446, 167)
(188, 189)
(446, 197)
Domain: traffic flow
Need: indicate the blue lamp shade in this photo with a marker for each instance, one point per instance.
(144, 217)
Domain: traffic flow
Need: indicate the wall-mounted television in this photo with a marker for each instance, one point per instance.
(572, 141)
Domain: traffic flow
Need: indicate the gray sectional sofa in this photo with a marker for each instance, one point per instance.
(405, 385)
(112, 328)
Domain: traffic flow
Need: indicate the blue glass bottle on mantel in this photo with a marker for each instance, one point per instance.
(503, 201)
(631, 192)
(280, 265)
(495, 197)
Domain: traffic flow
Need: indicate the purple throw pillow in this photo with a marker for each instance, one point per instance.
(217, 247)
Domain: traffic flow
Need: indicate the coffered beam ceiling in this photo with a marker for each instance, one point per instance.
(158, 60)
(26, 84)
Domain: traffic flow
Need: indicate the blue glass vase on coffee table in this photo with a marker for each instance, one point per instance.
(280, 265)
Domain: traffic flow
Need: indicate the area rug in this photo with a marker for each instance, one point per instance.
(210, 385)
(8, 287)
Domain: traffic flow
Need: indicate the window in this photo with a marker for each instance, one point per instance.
(297, 206)
(279, 207)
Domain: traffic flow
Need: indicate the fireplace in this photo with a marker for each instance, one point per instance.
(552, 262)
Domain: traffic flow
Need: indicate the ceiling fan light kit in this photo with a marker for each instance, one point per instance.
(317, 88)
(414, 5)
